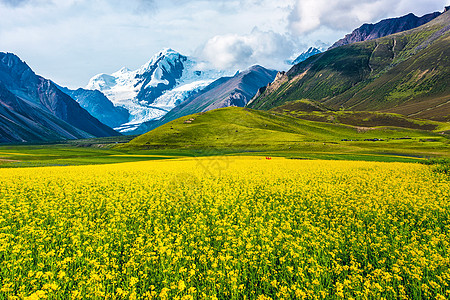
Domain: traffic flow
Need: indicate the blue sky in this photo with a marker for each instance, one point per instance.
(69, 41)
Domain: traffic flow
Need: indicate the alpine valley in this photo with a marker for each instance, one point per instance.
(380, 82)
(131, 102)
(398, 65)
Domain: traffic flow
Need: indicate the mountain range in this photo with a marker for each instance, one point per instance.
(130, 101)
(35, 109)
(406, 73)
(224, 92)
(378, 67)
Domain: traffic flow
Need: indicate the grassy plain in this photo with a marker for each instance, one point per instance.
(240, 131)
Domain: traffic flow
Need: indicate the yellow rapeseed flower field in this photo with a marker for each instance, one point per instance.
(225, 228)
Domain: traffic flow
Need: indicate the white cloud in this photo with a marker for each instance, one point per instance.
(226, 51)
(266, 48)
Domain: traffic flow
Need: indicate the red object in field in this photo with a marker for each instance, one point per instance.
(269, 158)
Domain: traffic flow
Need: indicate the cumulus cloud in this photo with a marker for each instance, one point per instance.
(239, 51)
(309, 15)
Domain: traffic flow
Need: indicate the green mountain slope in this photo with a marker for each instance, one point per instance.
(244, 130)
(407, 73)
(308, 110)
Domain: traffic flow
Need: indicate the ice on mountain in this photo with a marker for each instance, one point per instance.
(157, 79)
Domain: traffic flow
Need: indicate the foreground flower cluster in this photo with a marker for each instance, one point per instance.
(225, 228)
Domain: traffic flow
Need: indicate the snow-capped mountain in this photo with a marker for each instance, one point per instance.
(223, 92)
(149, 92)
(305, 55)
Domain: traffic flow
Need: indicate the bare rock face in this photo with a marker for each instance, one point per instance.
(384, 28)
(280, 75)
(23, 121)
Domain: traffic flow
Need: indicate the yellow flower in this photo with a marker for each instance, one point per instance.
(263, 297)
(181, 285)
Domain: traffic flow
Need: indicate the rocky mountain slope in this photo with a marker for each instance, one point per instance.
(31, 102)
(99, 106)
(384, 28)
(149, 92)
(22, 121)
(224, 92)
(406, 73)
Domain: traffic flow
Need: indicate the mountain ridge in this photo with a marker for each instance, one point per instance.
(384, 28)
(247, 130)
(99, 106)
(23, 121)
(305, 55)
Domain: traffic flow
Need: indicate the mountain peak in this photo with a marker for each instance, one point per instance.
(11, 61)
(168, 51)
(124, 70)
(13, 69)
(11, 57)
(305, 55)
(256, 68)
(39, 106)
(166, 54)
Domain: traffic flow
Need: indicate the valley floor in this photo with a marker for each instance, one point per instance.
(88, 152)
